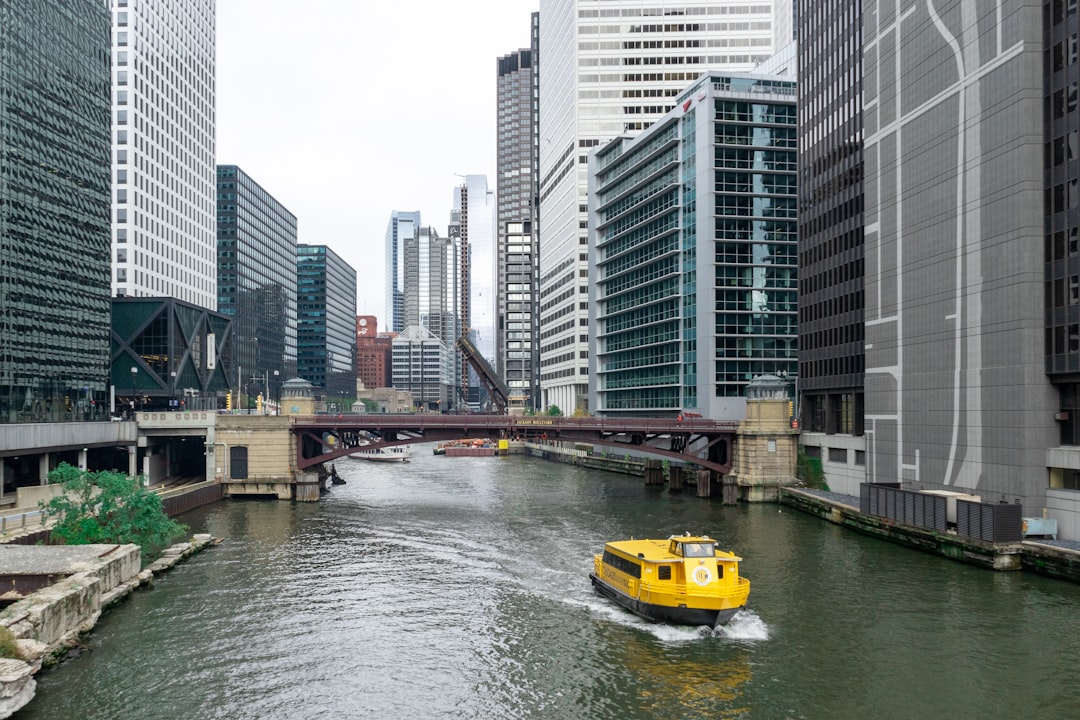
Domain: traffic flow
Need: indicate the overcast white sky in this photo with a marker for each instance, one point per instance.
(345, 110)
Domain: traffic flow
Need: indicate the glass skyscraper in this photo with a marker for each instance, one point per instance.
(54, 210)
(326, 320)
(693, 252)
(257, 278)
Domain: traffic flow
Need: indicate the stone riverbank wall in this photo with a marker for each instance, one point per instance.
(48, 623)
(1056, 559)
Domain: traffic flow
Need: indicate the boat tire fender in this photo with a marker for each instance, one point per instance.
(701, 575)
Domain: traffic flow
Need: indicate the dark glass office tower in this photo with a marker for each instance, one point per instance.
(54, 210)
(831, 267)
(257, 279)
(1061, 127)
(326, 320)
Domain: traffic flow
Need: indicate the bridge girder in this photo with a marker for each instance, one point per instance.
(705, 443)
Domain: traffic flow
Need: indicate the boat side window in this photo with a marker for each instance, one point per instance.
(622, 564)
(664, 573)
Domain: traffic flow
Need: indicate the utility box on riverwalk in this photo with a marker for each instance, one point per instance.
(766, 450)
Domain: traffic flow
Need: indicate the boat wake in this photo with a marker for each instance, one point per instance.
(746, 625)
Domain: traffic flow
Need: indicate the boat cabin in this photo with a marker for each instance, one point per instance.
(692, 547)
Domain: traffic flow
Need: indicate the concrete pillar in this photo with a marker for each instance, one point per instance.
(133, 455)
(43, 468)
(82, 459)
(146, 467)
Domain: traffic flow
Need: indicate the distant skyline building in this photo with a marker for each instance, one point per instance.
(374, 359)
(54, 212)
(432, 286)
(693, 252)
(257, 238)
(610, 69)
(163, 165)
(402, 226)
(423, 366)
(472, 224)
(517, 284)
(474, 212)
(326, 320)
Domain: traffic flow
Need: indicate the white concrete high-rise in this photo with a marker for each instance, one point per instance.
(611, 68)
(164, 237)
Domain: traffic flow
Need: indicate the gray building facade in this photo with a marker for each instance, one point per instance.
(957, 394)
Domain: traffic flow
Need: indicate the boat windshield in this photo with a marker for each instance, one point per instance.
(698, 550)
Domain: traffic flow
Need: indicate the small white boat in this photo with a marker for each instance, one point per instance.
(398, 453)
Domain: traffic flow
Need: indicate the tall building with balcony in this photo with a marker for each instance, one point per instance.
(517, 332)
(693, 260)
(54, 212)
(326, 320)
(164, 241)
(612, 68)
(256, 272)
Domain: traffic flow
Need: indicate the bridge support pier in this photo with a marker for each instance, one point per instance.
(703, 480)
(654, 473)
(675, 479)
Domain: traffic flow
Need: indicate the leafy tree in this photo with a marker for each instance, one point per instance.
(108, 507)
(554, 411)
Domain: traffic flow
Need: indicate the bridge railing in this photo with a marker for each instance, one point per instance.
(526, 422)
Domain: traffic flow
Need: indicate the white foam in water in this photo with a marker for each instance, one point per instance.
(746, 625)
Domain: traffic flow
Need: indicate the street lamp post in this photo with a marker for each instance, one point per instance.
(134, 375)
(277, 394)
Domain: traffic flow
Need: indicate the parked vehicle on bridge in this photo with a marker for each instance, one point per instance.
(684, 580)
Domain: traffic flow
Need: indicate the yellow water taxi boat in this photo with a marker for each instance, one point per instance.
(684, 580)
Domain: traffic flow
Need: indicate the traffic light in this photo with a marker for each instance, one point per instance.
(228, 401)
(791, 408)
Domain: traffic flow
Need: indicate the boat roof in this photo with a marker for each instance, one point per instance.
(655, 550)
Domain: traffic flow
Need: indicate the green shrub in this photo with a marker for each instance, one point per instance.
(810, 471)
(9, 648)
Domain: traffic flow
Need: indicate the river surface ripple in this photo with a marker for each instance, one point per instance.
(458, 588)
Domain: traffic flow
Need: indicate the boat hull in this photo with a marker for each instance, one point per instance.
(664, 613)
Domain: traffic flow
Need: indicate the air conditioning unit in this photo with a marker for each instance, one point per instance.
(950, 501)
(1047, 527)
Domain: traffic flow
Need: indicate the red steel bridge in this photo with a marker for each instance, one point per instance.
(706, 443)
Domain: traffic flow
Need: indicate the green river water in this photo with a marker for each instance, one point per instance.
(458, 588)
